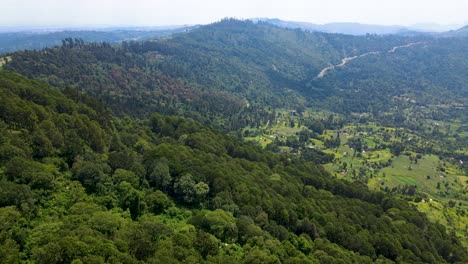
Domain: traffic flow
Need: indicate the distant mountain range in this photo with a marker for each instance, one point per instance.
(462, 32)
(29, 38)
(360, 29)
(39, 38)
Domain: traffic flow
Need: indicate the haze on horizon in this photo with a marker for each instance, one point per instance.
(107, 13)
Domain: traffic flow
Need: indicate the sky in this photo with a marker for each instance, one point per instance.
(76, 13)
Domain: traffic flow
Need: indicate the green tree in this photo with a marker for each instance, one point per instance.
(157, 202)
(160, 176)
(201, 191)
(41, 145)
(89, 174)
(121, 175)
(184, 188)
(130, 198)
(219, 223)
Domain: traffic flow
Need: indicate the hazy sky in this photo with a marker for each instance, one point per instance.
(171, 12)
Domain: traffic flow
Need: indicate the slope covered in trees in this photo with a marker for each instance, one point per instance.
(223, 72)
(206, 196)
(431, 73)
(78, 184)
(234, 74)
(237, 75)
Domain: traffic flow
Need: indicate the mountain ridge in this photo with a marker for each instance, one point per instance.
(359, 29)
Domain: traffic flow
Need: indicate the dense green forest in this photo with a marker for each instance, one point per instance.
(233, 71)
(228, 72)
(222, 145)
(235, 75)
(81, 185)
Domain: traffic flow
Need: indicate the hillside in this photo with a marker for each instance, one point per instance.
(129, 191)
(235, 142)
(460, 33)
(234, 74)
(236, 64)
(356, 29)
(431, 72)
(237, 75)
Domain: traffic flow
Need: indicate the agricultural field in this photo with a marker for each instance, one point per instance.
(396, 160)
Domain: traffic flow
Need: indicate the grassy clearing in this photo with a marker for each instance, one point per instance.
(286, 131)
(430, 175)
(378, 156)
(317, 143)
(262, 140)
(447, 216)
(463, 180)
(402, 170)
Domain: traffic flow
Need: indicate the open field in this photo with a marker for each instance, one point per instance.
(441, 181)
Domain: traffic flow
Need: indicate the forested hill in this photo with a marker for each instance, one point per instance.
(233, 73)
(432, 72)
(80, 185)
(220, 73)
(13, 41)
(461, 33)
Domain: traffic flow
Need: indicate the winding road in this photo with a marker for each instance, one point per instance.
(348, 59)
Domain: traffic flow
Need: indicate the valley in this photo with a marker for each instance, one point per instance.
(221, 144)
(410, 163)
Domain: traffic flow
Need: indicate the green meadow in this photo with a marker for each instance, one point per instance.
(440, 183)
